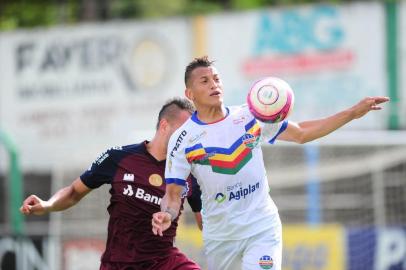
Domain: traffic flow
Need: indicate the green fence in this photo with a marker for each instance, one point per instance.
(15, 184)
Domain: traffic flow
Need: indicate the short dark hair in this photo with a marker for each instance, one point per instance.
(172, 107)
(197, 62)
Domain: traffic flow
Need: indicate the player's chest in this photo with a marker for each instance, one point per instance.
(141, 172)
(224, 134)
(225, 148)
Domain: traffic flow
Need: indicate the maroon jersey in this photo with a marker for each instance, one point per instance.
(137, 187)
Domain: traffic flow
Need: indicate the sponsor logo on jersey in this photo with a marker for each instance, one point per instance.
(198, 137)
(236, 192)
(155, 180)
(179, 141)
(142, 195)
(266, 262)
(241, 193)
(235, 186)
(220, 197)
(128, 191)
(128, 177)
(239, 120)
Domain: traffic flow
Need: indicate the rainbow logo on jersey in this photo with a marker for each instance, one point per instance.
(227, 160)
(266, 262)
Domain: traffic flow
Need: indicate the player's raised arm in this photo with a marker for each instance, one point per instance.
(310, 130)
(61, 200)
(170, 206)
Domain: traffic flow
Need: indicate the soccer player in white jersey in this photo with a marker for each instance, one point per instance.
(220, 146)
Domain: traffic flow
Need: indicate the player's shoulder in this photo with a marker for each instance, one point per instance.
(106, 154)
(132, 148)
(240, 113)
(241, 109)
(118, 152)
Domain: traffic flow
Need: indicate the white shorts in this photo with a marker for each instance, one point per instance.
(260, 251)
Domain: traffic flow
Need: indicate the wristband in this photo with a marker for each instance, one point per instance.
(172, 213)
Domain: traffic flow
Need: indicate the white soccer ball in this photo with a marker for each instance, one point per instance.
(270, 100)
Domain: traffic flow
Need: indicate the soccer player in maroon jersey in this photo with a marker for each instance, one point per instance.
(135, 173)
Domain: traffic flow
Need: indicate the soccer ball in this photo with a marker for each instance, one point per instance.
(270, 100)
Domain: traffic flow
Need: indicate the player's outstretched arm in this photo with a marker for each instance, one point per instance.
(61, 200)
(170, 206)
(310, 130)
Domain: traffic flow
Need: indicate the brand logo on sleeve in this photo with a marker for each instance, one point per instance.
(179, 141)
(185, 191)
(105, 155)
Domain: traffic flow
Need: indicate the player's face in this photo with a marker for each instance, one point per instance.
(205, 88)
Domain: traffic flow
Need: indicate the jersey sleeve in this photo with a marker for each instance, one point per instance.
(177, 167)
(194, 197)
(100, 172)
(269, 132)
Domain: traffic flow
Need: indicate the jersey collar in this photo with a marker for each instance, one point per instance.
(197, 120)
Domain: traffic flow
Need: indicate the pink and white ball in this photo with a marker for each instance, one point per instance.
(270, 100)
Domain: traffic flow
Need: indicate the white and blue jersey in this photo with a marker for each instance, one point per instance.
(226, 159)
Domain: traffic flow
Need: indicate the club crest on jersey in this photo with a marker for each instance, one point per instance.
(250, 140)
(155, 180)
(266, 262)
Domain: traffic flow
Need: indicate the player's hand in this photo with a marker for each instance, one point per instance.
(34, 205)
(368, 104)
(161, 221)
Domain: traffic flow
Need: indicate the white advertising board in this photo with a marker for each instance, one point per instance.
(69, 93)
(332, 56)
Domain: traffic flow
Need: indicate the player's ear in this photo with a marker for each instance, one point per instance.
(189, 94)
(163, 124)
